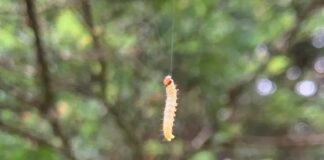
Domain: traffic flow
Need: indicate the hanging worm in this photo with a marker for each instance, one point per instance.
(170, 107)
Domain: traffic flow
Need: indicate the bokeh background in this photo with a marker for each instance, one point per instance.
(82, 79)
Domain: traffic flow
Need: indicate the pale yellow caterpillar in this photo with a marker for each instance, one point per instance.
(170, 107)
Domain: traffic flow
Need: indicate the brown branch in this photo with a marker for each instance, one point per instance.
(41, 57)
(58, 131)
(99, 54)
(286, 141)
(20, 95)
(33, 138)
(46, 108)
(201, 138)
(130, 138)
(13, 108)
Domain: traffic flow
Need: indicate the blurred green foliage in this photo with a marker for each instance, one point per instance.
(222, 51)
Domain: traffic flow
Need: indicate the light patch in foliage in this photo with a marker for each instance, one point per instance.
(277, 64)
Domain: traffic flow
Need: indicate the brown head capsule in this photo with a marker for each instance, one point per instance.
(167, 80)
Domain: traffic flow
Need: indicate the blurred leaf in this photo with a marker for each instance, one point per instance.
(70, 31)
(153, 147)
(277, 64)
(203, 155)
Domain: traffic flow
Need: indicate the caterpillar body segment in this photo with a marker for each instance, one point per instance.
(170, 107)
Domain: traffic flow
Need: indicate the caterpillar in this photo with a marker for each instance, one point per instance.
(170, 107)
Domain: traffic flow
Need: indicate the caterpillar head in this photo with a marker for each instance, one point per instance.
(167, 80)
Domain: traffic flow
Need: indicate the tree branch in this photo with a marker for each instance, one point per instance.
(46, 108)
(286, 141)
(35, 139)
(41, 57)
(130, 138)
